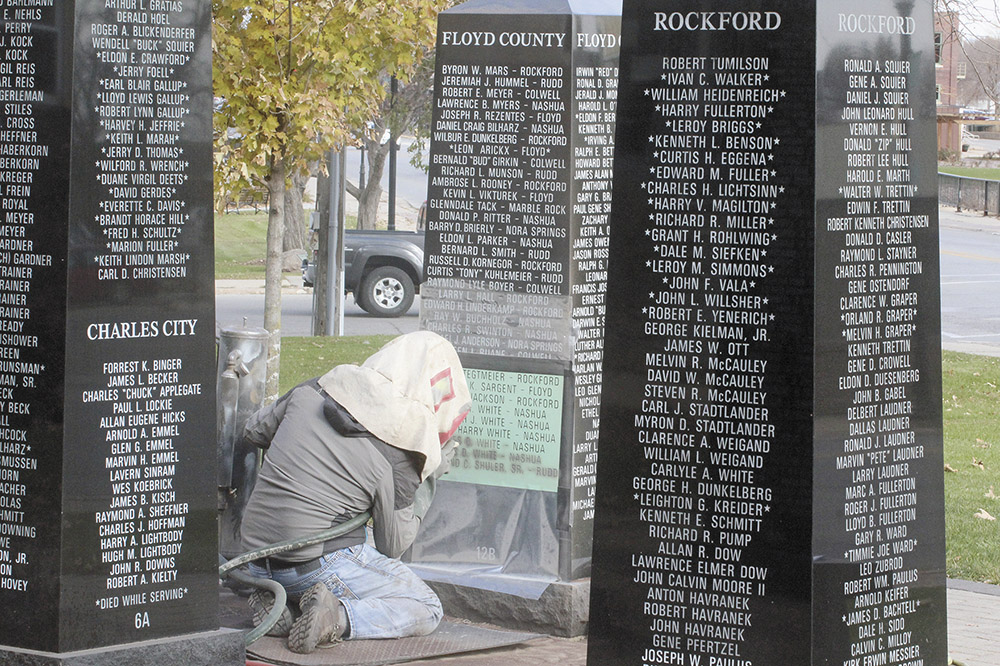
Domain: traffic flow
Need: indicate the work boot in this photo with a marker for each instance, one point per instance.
(261, 602)
(322, 622)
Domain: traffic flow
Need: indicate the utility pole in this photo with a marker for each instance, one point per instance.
(393, 148)
(328, 281)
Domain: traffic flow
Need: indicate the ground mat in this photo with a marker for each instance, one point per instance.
(449, 638)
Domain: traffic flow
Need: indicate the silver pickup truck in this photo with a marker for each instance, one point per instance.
(384, 270)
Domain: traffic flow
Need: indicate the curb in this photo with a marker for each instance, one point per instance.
(289, 285)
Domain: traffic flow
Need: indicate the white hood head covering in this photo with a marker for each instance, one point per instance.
(411, 394)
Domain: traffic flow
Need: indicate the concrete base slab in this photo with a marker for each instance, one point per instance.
(211, 648)
(448, 639)
(562, 610)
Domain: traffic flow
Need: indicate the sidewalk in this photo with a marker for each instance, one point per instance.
(290, 284)
(948, 216)
(974, 623)
(973, 636)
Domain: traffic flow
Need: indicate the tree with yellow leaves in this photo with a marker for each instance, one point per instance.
(292, 78)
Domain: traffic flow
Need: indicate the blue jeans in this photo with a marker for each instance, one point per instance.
(383, 598)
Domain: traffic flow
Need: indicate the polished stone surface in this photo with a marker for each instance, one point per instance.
(108, 533)
(769, 489)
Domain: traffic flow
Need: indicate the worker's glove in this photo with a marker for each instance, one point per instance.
(447, 453)
(424, 494)
(423, 497)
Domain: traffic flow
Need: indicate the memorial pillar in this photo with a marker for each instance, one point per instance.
(770, 486)
(107, 485)
(517, 231)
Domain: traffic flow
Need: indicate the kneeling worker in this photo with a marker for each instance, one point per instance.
(371, 438)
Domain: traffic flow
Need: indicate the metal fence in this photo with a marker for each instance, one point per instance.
(972, 194)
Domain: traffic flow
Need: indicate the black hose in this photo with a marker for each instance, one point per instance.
(228, 569)
(272, 617)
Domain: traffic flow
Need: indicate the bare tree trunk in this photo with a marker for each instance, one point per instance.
(368, 207)
(272, 274)
(295, 216)
(370, 196)
(407, 109)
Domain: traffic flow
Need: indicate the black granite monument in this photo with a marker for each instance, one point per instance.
(770, 485)
(517, 232)
(107, 455)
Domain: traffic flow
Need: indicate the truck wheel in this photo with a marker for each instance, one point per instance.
(386, 292)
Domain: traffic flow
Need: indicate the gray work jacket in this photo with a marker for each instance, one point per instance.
(321, 467)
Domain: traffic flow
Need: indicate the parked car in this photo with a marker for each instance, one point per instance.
(383, 269)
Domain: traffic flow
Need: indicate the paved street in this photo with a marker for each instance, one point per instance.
(970, 308)
(236, 299)
(970, 277)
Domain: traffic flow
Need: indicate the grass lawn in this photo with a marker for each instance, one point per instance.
(305, 358)
(972, 460)
(971, 442)
(241, 244)
(990, 173)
